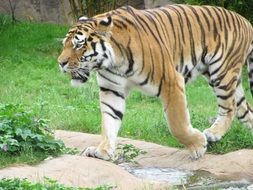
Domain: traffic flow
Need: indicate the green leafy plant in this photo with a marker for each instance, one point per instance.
(22, 131)
(127, 153)
(49, 184)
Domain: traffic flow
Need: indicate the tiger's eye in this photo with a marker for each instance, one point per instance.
(79, 46)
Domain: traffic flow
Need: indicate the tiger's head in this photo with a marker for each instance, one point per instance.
(86, 47)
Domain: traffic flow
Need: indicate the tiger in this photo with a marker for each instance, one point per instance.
(158, 51)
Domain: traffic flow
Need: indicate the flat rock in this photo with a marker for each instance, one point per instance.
(79, 171)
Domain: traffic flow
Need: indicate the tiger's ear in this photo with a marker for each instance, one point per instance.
(104, 25)
(82, 19)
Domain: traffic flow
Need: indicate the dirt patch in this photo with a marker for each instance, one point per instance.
(89, 172)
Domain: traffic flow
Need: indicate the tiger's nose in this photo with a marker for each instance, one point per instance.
(63, 63)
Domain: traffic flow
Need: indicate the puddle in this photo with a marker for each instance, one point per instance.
(190, 180)
(172, 176)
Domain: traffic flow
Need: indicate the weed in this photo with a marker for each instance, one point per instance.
(127, 153)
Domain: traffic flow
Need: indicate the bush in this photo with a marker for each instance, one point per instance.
(21, 131)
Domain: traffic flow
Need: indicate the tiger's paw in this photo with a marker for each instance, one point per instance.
(199, 147)
(95, 152)
(212, 135)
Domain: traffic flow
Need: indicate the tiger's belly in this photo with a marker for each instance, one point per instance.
(147, 87)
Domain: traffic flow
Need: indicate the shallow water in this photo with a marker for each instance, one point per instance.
(194, 180)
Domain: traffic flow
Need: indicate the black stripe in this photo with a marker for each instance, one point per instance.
(215, 31)
(114, 73)
(118, 94)
(180, 20)
(118, 23)
(233, 21)
(228, 85)
(155, 37)
(203, 36)
(103, 44)
(203, 55)
(127, 20)
(172, 26)
(118, 113)
(240, 101)
(93, 45)
(227, 21)
(182, 60)
(163, 25)
(110, 115)
(130, 58)
(206, 19)
(225, 108)
(119, 46)
(160, 88)
(217, 48)
(192, 43)
(154, 23)
(218, 16)
(225, 26)
(224, 97)
(152, 64)
(138, 29)
(150, 30)
(243, 116)
(107, 78)
(216, 70)
(145, 81)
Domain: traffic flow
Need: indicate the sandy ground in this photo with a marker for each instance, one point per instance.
(81, 171)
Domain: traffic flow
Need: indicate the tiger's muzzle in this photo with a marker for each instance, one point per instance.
(78, 75)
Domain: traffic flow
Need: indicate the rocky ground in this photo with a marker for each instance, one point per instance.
(81, 171)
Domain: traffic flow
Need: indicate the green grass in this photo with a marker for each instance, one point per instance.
(48, 184)
(30, 75)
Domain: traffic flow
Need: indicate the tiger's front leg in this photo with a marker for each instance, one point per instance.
(112, 105)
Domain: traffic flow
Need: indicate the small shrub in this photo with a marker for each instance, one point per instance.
(21, 131)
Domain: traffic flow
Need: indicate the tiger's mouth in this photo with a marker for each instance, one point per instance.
(80, 76)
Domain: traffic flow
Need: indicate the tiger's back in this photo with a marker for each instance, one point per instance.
(182, 35)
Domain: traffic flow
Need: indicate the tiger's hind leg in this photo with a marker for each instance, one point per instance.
(176, 111)
(224, 86)
(244, 111)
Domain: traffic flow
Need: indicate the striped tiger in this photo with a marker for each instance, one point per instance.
(158, 51)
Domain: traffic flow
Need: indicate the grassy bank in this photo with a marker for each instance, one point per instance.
(30, 75)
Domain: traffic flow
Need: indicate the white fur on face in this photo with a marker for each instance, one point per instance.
(76, 83)
(78, 41)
